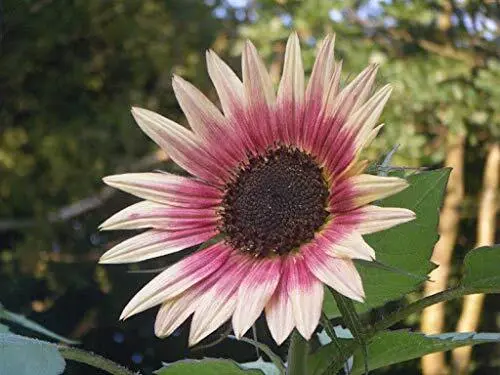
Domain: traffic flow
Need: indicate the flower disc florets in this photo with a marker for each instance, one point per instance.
(276, 203)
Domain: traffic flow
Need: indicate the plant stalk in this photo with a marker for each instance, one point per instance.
(417, 306)
(94, 360)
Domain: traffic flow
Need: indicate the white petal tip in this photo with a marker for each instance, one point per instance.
(193, 340)
(162, 335)
(359, 298)
(307, 335)
(160, 332)
(110, 257)
(141, 113)
(136, 110)
(106, 225)
(177, 80)
(279, 337)
(109, 260)
(129, 311)
(407, 216)
(280, 341)
(113, 180)
(399, 184)
(108, 180)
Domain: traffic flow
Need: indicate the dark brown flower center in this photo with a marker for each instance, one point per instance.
(276, 203)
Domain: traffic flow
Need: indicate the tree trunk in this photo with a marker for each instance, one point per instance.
(473, 304)
(432, 320)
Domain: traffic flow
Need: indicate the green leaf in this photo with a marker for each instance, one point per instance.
(4, 328)
(389, 347)
(26, 356)
(206, 366)
(267, 368)
(27, 323)
(481, 270)
(407, 247)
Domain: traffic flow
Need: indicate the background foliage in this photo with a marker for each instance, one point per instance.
(70, 70)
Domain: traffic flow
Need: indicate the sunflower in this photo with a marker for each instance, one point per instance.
(277, 181)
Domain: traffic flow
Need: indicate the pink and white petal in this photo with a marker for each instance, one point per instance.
(279, 311)
(356, 133)
(337, 141)
(323, 83)
(362, 122)
(167, 188)
(256, 78)
(370, 188)
(375, 219)
(341, 240)
(306, 293)
(338, 273)
(354, 168)
(363, 189)
(355, 93)
(232, 97)
(227, 84)
(318, 126)
(260, 99)
(319, 82)
(369, 138)
(175, 311)
(338, 155)
(157, 243)
(178, 278)
(338, 107)
(203, 116)
(254, 293)
(353, 246)
(218, 304)
(290, 100)
(208, 123)
(181, 145)
(148, 214)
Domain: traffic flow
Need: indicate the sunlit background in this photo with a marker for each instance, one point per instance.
(71, 69)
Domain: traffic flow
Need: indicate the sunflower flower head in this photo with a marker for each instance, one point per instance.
(277, 178)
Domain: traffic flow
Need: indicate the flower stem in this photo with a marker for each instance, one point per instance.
(414, 307)
(94, 360)
(297, 355)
